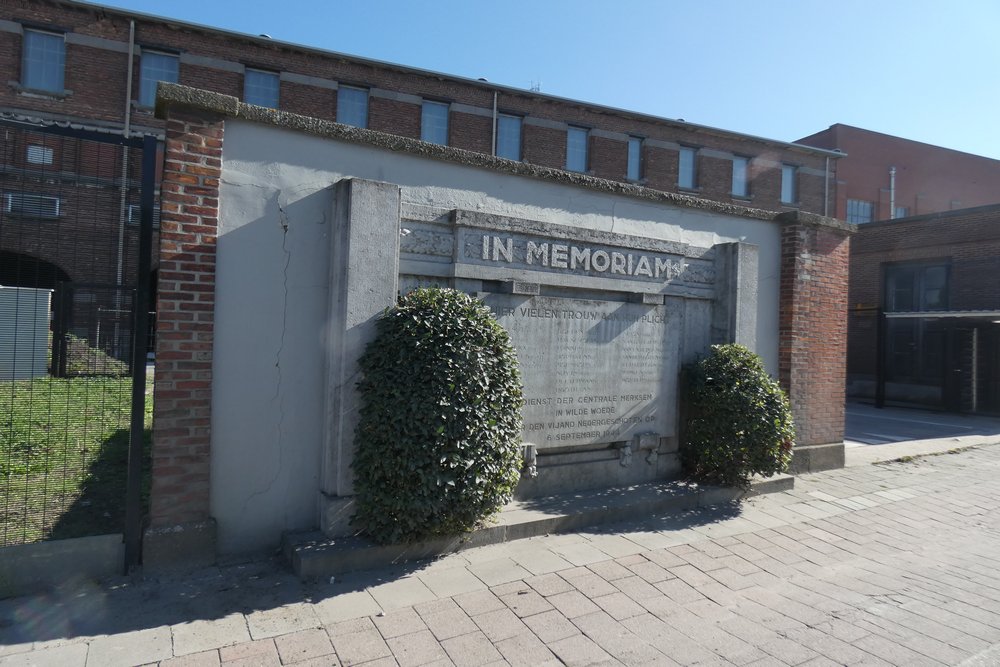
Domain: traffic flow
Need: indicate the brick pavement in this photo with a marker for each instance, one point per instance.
(875, 565)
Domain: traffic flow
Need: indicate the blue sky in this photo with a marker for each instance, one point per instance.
(782, 69)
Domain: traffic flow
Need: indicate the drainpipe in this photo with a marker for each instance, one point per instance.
(494, 122)
(127, 128)
(826, 189)
(892, 193)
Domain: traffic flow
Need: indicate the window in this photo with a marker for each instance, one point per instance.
(859, 211)
(902, 211)
(135, 213)
(43, 63)
(434, 122)
(39, 154)
(576, 148)
(261, 88)
(352, 106)
(154, 67)
(741, 173)
(911, 287)
(686, 168)
(789, 184)
(634, 169)
(31, 206)
(509, 137)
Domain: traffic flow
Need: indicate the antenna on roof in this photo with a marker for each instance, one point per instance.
(536, 86)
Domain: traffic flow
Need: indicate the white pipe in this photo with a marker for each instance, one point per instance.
(892, 193)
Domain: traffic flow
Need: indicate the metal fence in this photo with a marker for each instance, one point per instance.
(76, 218)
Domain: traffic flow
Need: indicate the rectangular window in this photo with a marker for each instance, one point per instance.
(634, 169)
(155, 67)
(576, 148)
(31, 206)
(914, 347)
(509, 137)
(352, 106)
(43, 62)
(741, 176)
(911, 287)
(902, 211)
(789, 184)
(39, 154)
(434, 122)
(686, 168)
(261, 87)
(859, 211)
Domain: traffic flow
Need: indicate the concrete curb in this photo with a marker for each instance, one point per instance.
(312, 555)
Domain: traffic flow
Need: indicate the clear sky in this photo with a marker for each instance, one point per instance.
(782, 69)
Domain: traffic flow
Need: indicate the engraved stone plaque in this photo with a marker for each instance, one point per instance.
(593, 371)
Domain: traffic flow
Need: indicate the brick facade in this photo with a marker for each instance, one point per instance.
(813, 333)
(928, 179)
(184, 326)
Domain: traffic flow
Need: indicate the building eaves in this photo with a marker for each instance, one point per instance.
(486, 85)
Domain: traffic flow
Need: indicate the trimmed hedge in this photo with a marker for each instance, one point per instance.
(439, 436)
(738, 420)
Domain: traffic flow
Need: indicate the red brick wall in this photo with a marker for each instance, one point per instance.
(184, 325)
(812, 326)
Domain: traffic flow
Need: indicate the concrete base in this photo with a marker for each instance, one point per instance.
(181, 547)
(313, 555)
(816, 458)
(29, 568)
(335, 515)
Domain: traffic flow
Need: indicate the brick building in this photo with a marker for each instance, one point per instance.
(883, 177)
(939, 343)
(83, 64)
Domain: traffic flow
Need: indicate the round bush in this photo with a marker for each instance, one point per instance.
(440, 428)
(738, 420)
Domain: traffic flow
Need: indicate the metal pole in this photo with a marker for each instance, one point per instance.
(880, 359)
(140, 324)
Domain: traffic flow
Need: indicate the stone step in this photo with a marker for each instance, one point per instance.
(312, 555)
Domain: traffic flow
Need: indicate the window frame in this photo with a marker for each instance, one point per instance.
(692, 170)
(36, 211)
(429, 125)
(48, 154)
(255, 71)
(349, 103)
(577, 149)
(789, 184)
(507, 122)
(28, 64)
(147, 95)
(742, 179)
(854, 215)
(633, 164)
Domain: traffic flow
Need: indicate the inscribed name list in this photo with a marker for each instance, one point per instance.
(593, 371)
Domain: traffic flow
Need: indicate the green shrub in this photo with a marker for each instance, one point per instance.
(738, 420)
(439, 433)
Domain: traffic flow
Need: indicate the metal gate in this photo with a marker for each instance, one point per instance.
(76, 229)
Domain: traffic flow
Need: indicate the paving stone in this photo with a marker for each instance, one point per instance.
(541, 561)
(591, 585)
(526, 602)
(303, 645)
(573, 604)
(70, 655)
(619, 606)
(549, 584)
(453, 581)
(479, 602)
(399, 622)
(355, 646)
(499, 571)
(579, 650)
(527, 650)
(204, 634)
(472, 650)
(344, 606)
(130, 648)
(500, 625)
(404, 592)
(609, 570)
(416, 649)
(281, 620)
(449, 623)
(637, 588)
(202, 659)
(262, 649)
(550, 626)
